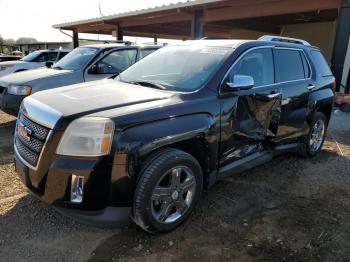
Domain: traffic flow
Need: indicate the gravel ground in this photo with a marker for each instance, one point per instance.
(291, 209)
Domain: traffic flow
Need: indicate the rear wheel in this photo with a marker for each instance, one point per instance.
(169, 187)
(317, 134)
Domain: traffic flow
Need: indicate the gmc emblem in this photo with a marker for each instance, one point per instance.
(24, 131)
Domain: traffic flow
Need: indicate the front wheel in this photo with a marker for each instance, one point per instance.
(317, 134)
(169, 187)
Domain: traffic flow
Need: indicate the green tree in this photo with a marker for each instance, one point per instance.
(26, 40)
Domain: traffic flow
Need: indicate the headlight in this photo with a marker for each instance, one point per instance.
(19, 90)
(87, 136)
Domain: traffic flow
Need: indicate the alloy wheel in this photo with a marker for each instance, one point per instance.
(173, 194)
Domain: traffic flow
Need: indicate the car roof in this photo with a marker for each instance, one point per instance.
(229, 43)
(103, 46)
(52, 50)
(234, 43)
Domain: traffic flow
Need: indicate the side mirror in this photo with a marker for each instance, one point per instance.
(93, 69)
(240, 82)
(48, 64)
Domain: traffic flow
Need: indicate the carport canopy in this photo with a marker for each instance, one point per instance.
(209, 18)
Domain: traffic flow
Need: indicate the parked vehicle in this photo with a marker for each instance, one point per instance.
(144, 145)
(4, 58)
(34, 60)
(83, 64)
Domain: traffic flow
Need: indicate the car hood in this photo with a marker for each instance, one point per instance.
(12, 63)
(26, 77)
(96, 96)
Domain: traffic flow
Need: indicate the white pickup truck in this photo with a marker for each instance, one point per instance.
(33, 60)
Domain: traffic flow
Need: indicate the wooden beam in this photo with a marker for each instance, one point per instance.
(268, 8)
(156, 20)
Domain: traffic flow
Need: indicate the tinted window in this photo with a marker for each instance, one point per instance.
(258, 64)
(289, 65)
(117, 61)
(62, 54)
(320, 63)
(307, 70)
(52, 56)
(146, 52)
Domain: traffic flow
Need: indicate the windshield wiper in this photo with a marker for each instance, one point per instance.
(148, 84)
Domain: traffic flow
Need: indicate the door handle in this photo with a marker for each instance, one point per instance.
(310, 87)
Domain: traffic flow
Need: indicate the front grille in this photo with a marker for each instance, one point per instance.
(30, 144)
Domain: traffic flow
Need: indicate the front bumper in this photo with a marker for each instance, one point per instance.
(53, 188)
(10, 104)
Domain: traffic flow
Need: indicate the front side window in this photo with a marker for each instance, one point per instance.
(116, 62)
(289, 65)
(52, 56)
(177, 68)
(258, 64)
(77, 59)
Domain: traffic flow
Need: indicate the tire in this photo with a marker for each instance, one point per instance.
(169, 187)
(345, 108)
(312, 145)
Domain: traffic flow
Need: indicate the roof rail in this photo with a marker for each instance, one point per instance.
(284, 39)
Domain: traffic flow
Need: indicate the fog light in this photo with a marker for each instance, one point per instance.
(77, 189)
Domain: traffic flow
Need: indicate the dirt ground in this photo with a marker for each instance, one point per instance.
(291, 209)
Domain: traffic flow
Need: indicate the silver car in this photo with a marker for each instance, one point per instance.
(83, 64)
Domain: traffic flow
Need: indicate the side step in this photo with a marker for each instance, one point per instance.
(255, 159)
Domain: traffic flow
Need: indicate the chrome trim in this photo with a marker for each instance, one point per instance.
(42, 150)
(40, 113)
(272, 47)
(272, 38)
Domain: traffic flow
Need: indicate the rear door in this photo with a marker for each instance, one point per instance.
(293, 75)
(250, 116)
(111, 64)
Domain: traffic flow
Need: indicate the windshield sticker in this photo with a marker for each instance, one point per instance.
(214, 50)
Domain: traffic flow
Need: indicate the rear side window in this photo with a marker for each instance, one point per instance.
(258, 64)
(146, 52)
(321, 64)
(289, 65)
(307, 70)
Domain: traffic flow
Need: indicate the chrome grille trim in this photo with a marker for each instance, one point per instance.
(30, 152)
(40, 113)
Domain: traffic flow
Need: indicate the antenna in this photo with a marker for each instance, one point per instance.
(99, 8)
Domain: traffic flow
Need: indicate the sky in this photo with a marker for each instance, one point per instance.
(34, 18)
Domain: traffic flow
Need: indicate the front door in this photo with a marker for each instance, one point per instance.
(251, 116)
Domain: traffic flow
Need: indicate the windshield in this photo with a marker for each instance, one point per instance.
(176, 68)
(30, 57)
(76, 59)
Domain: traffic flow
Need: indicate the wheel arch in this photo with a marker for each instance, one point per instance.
(193, 134)
(321, 101)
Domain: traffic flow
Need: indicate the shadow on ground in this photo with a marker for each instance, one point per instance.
(292, 209)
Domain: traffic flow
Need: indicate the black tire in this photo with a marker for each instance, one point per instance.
(345, 108)
(154, 171)
(307, 150)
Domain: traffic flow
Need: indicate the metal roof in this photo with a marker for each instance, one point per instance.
(188, 3)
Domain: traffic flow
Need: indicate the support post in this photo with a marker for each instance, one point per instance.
(197, 25)
(120, 34)
(341, 48)
(75, 39)
(155, 39)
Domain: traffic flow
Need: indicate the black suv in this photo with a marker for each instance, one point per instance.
(144, 145)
